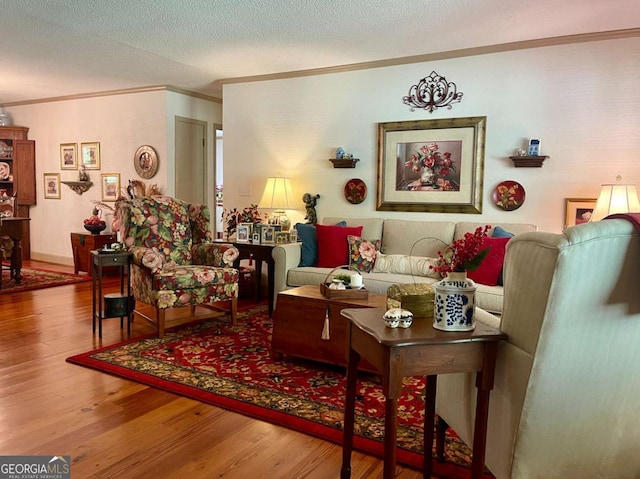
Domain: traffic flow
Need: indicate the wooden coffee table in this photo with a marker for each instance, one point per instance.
(299, 320)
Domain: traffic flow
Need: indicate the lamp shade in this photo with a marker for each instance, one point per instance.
(278, 194)
(615, 198)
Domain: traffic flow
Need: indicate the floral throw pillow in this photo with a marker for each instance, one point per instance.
(362, 253)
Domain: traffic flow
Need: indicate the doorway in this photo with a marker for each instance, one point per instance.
(191, 160)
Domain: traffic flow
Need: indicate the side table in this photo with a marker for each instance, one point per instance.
(416, 351)
(82, 244)
(115, 304)
(260, 253)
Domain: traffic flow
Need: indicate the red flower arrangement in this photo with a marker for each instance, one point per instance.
(464, 254)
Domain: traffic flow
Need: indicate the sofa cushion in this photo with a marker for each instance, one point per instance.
(404, 264)
(371, 227)
(491, 267)
(309, 249)
(333, 249)
(425, 237)
(499, 232)
(362, 253)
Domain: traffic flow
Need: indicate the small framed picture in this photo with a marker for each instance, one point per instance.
(578, 211)
(534, 147)
(90, 155)
(69, 156)
(52, 186)
(268, 235)
(282, 237)
(256, 238)
(110, 186)
(244, 232)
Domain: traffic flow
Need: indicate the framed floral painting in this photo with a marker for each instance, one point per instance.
(69, 156)
(431, 165)
(110, 186)
(578, 210)
(90, 155)
(52, 186)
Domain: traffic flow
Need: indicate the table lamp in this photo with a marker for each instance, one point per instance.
(279, 196)
(615, 198)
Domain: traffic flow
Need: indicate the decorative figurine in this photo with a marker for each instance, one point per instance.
(310, 202)
(82, 174)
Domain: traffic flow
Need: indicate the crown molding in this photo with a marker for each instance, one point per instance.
(125, 91)
(429, 57)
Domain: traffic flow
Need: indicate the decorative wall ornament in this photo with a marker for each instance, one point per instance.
(431, 93)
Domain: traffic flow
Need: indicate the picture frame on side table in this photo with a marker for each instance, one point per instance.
(578, 211)
(90, 155)
(282, 237)
(110, 186)
(267, 235)
(243, 232)
(68, 156)
(431, 165)
(51, 186)
(256, 238)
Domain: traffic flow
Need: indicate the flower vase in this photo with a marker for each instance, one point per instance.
(455, 303)
(427, 176)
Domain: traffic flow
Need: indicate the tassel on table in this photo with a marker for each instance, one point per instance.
(325, 330)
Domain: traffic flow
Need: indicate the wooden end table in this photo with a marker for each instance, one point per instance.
(123, 300)
(416, 351)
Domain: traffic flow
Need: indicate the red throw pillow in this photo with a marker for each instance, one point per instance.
(489, 270)
(333, 249)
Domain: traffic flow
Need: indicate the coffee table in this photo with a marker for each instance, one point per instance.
(299, 321)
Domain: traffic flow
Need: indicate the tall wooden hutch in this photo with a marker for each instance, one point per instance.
(18, 174)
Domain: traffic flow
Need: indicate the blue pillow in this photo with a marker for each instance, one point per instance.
(309, 249)
(499, 232)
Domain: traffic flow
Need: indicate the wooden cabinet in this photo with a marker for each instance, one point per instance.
(18, 174)
(82, 244)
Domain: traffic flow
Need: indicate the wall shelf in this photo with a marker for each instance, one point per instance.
(344, 162)
(528, 161)
(79, 186)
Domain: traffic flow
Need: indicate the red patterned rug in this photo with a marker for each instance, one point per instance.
(231, 367)
(37, 279)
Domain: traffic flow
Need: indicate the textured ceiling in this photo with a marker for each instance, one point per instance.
(52, 48)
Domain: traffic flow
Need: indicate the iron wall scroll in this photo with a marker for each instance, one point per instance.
(431, 93)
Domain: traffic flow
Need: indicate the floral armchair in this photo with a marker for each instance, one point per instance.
(174, 263)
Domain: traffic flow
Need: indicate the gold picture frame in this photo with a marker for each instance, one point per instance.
(578, 211)
(51, 186)
(90, 155)
(68, 156)
(110, 186)
(431, 165)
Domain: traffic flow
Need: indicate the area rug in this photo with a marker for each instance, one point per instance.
(33, 278)
(231, 367)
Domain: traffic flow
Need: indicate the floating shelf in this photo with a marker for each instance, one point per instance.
(79, 186)
(344, 162)
(528, 161)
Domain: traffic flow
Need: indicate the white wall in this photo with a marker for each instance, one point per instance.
(582, 100)
(121, 123)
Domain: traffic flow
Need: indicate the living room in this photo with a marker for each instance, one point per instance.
(578, 95)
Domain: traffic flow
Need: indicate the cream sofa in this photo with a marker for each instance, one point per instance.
(566, 401)
(398, 237)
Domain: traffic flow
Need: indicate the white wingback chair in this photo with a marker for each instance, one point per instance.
(566, 402)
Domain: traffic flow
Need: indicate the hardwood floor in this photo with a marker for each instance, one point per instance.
(113, 428)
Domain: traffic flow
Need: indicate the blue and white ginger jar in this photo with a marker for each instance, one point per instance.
(455, 303)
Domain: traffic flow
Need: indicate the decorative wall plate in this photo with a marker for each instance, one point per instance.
(355, 191)
(146, 162)
(5, 150)
(509, 195)
(5, 170)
